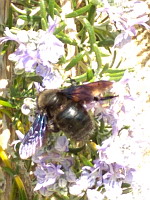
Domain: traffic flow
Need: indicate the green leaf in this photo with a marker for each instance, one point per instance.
(51, 8)
(57, 7)
(113, 59)
(91, 14)
(98, 57)
(85, 161)
(65, 39)
(60, 28)
(6, 104)
(9, 171)
(81, 78)
(90, 29)
(105, 68)
(106, 43)
(5, 47)
(79, 12)
(33, 78)
(75, 60)
(6, 112)
(115, 77)
(90, 74)
(76, 150)
(36, 197)
(114, 74)
(115, 71)
(21, 188)
(44, 24)
(126, 191)
(43, 15)
(10, 18)
(30, 18)
(17, 10)
(59, 196)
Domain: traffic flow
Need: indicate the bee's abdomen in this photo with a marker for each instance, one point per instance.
(75, 121)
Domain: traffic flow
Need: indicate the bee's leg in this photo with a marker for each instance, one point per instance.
(52, 126)
(73, 82)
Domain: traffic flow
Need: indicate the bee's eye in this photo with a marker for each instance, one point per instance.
(96, 99)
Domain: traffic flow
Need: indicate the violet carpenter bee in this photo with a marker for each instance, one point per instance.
(64, 110)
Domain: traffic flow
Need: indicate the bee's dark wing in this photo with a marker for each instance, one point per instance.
(34, 138)
(86, 93)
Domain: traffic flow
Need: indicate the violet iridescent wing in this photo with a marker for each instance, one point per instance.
(34, 138)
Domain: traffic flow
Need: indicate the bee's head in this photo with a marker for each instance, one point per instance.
(50, 99)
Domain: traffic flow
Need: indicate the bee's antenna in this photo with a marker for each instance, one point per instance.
(108, 97)
(104, 98)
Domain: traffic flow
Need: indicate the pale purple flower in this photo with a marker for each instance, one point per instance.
(52, 81)
(52, 177)
(20, 136)
(51, 78)
(47, 174)
(39, 156)
(70, 176)
(121, 149)
(53, 169)
(120, 112)
(62, 144)
(79, 187)
(114, 178)
(9, 36)
(67, 162)
(47, 191)
(37, 52)
(125, 17)
(102, 175)
(38, 87)
(113, 168)
(93, 194)
(49, 48)
(122, 39)
(115, 175)
(42, 47)
(90, 177)
(44, 71)
(114, 192)
(52, 24)
(29, 106)
(55, 154)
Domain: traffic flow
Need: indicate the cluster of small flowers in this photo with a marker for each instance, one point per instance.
(125, 17)
(115, 166)
(28, 108)
(53, 171)
(132, 95)
(121, 155)
(37, 52)
(103, 180)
